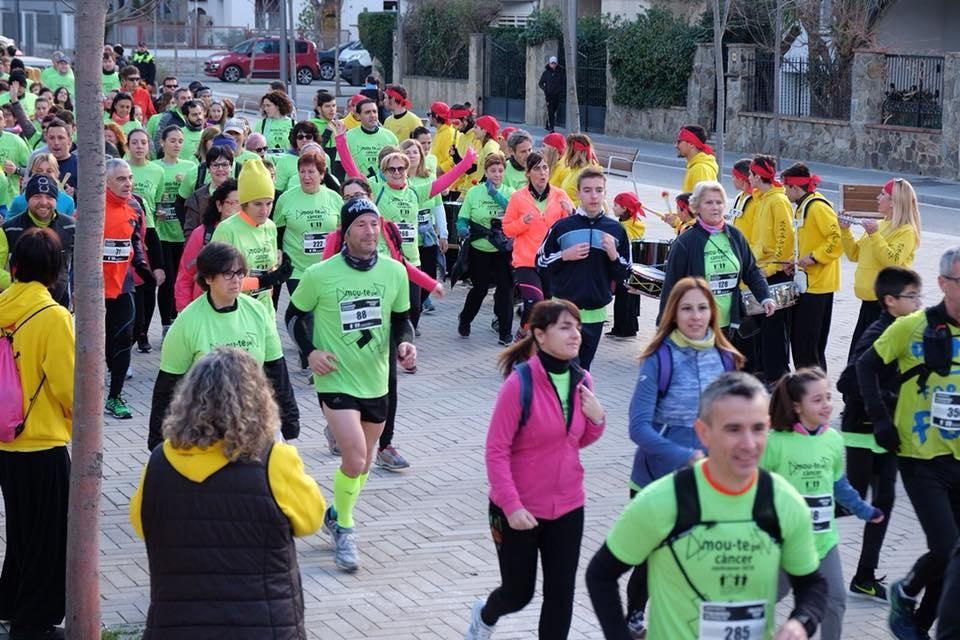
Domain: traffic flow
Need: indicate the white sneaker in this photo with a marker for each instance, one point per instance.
(345, 552)
(129, 372)
(478, 629)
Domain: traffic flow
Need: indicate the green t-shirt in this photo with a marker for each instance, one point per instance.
(168, 225)
(730, 561)
(811, 464)
(402, 207)
(919, 436)
(189, 183)
(287, 174)
(14, 149)
(308, 218)
(721, 269)
(199, 329)
(126, 127)
(153, 122)
(257, 244)
(276, 131)
(561, 384)
(365, 146)
(191, 142)
(111, 81)
(53, 80)
(243, 156)
(148, 181)
(351, 319)
(480, 208)
(321, 126)
(516, 178)
(432, 164)
(28, 101)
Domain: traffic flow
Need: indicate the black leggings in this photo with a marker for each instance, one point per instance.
(557, 543)
(869, 311)
(490, 269)
(811, 328)
(172, 252)
(775, 338)
(934, 490)
(878, 472)
(532, 290)
(146, 301)
(386, 436)
(428, 264)
(637, 591)
(119, 337)
(416, 304)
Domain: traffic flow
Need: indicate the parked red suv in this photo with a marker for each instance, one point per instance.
(264, 55)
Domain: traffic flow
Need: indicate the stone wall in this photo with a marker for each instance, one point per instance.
(535, 105)
(662, 123)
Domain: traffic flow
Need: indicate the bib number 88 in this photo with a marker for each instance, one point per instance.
(736, 633)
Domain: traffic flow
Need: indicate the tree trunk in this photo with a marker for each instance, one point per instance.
(719, 25)
(777, 54)
(83, 531)
(570, 62)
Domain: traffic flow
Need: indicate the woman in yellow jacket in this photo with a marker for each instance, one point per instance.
(578, 156)
(891, 242)
(35, 465)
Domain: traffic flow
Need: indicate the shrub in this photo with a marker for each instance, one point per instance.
(376, 33)
(437, 34)
(651, 59)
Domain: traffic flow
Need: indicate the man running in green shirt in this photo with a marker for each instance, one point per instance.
(366, 141)
(360, 304)
(716, 536)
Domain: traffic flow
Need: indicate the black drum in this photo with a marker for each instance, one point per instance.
(652, 253)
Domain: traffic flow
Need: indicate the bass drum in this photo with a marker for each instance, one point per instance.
(645, 281)
(652, 253)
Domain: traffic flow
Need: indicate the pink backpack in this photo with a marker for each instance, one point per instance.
(12, 417)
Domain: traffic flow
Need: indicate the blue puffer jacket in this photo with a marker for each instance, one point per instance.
(662, 428)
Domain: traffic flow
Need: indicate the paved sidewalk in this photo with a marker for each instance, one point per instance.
(425, 545)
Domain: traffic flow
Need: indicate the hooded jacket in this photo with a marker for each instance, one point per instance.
(700, 167)
(528, 236)
(552, 81)
(45, 346)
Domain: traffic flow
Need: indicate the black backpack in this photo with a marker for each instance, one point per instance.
(937, 349)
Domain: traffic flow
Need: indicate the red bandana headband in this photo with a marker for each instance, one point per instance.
(459, 113)
(686, 135)
(395, 95)
(586, 148)
(765, 173)
(737, 174)
(808, 182)
(682, 205)
(888, 187)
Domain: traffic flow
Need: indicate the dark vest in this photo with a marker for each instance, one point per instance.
(65, 227)
(222, 558)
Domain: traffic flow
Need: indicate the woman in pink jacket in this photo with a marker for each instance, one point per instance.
(545, 413)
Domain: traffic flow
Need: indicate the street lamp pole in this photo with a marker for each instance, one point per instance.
(283, 43)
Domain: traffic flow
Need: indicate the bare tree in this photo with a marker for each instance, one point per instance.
(86, 473)
(570, 62)
(720, 20)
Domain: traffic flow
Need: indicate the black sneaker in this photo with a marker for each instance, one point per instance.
(495, 325)
(505, 341)
(463, 328)
(143, 345)
(871, 588)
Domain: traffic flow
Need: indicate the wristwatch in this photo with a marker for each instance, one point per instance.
(808, 623)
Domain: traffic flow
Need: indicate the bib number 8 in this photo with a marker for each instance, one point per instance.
(736, 633)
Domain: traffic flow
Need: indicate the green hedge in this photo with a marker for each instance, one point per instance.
(376, 33)
(651, 59)
(437, 35)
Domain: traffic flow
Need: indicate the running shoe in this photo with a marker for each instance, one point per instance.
(331, 442)
(345, 553)
(390, 459)
(520, 335)
(329, 521)
(117, 408)
(129, 374)
(428, 306)
(163, 333)
(872, 588)
(143, 344)
(463, 328)
(416, 332)
(637, 625)
(505, 341)
(495, 326)
(411, 370)
(901, 618)
(478, 629)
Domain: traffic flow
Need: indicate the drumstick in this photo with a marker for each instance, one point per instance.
(666, 198)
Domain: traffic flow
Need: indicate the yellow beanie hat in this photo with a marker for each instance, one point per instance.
(254, 181)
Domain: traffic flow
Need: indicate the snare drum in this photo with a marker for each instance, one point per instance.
(645, 280)
(783, 295)
(652, 253)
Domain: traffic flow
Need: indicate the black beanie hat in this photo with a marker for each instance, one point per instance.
(353, 209)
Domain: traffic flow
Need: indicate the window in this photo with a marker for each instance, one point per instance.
(264, 47)
(243, 47)
(302, 46)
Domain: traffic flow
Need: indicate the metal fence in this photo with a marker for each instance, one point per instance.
(806, 89)
(914, 95)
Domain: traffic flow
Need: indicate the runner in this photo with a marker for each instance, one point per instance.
(364, 142)
(805, 451)
(222, 318)
(359, 307)
(545, 413)
(254, 233)
(520, 143)
(583, 255)
(923, 432)
(277, 112)
(722, 502)
(432, 230)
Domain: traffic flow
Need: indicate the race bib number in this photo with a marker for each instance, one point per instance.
(167, 213)
(723, 282)
(733, 620)
(314, 242)
(945, 411)
(116, 250)
(423, 216)
(360, 314)
(821, 512)
(407, 232)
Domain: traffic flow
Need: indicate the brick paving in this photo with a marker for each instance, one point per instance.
(425, 546)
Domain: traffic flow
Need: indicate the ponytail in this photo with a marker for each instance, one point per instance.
(543, 314)
(790, 389)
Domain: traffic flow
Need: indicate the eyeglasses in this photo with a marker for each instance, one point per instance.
(170, 86)
(260, 150)
(220, 165)
(305, 136)
(396, 169)
(951, 278)
(136, 79)
(239, 274)
(911, 296)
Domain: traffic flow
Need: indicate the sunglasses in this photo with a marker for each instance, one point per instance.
(305, 136)
(259, 150)
(396, 169)
(169, 86)
(134, 79)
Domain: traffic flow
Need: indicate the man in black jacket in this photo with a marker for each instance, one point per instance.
(582, 255)
(553, 84)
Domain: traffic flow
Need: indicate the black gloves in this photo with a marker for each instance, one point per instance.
(279, 275)
(886, 435)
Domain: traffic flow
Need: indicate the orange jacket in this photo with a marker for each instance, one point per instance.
(121, 245)
(528, 236)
